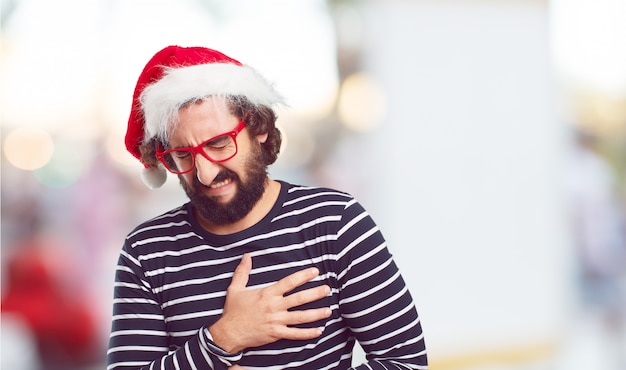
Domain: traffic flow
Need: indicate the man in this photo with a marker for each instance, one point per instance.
(252, 273)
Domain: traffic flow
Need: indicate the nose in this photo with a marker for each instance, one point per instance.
(206, 170)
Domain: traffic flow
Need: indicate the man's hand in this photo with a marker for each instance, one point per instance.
(253, 318)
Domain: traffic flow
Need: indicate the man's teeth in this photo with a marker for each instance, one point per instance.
(218, 184)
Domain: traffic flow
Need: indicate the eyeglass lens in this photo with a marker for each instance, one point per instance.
(217, 149)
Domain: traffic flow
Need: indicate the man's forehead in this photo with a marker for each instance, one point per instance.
(200, 120)
(217, 103)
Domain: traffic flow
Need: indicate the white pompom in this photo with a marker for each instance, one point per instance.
(154, 177)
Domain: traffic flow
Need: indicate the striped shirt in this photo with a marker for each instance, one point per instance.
(172, 275)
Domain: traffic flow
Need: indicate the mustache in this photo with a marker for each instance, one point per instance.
(224, 174)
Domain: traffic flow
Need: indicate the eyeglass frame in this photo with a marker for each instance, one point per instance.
(198, 149)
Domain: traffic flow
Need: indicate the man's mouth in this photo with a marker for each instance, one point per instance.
(216, 185)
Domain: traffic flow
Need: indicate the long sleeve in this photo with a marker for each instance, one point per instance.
(374, 299)
(139, 337)
(172, 277)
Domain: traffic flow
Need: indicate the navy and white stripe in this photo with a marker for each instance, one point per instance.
(172, 276)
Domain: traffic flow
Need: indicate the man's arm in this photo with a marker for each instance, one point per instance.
(139, 337)
(374, 299)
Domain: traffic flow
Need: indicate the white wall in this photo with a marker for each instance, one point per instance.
(464, 174)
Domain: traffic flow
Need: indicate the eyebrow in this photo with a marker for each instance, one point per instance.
(207, 140)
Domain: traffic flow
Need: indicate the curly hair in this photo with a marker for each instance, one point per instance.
(259, 120)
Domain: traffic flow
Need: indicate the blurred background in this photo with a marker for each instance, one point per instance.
(487, 138)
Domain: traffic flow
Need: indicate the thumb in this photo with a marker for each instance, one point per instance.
(242, 273)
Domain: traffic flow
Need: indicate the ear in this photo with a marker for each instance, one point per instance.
(262, 138)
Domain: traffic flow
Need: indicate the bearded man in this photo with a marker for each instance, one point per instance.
(252, 272)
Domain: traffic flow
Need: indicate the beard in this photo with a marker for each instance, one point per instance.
(248, 193)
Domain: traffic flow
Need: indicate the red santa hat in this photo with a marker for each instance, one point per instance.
(176, 75)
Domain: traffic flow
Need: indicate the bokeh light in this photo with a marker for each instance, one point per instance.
(28, 148)
(64, 168)
(362, 103)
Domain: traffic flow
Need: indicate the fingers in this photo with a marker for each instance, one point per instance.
(307, 316)
(242, 273)
(254, 317)
(302, 334)
(306, 296)
(291, 282)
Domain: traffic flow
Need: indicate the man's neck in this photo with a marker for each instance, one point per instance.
(260, 210)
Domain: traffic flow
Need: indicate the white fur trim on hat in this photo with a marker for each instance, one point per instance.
(161, 100)
(154, 177)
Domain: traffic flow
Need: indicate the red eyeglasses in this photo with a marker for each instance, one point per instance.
(217, 149)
